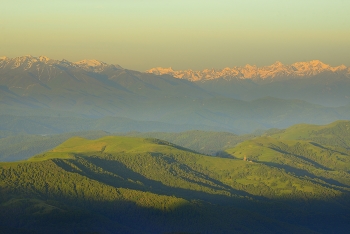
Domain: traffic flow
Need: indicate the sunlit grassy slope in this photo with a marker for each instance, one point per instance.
(23, 146)
(318, 153)
(162, 161)
(120, 181)
(336, 133)
(205, 142)
(115, 144)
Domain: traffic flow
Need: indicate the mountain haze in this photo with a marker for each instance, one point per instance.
(312, 81)
(91, 91)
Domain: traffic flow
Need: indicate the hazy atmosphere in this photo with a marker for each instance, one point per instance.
(191, 34)
(175, 117)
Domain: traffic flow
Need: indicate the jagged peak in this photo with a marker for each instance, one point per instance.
(161, 70)
(31, 58)
(277, 69)
(312, 63)
(44, 58)
(27, 61)
(24, 57)
(94, 64)
(313, 66)
(90, 62)
(316, 62)
(250, 66)
(341, 67)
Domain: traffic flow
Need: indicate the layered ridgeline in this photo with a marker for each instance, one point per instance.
(49, 96)
(312, 81)
(23, 146)
(293, 181)
(87, 87)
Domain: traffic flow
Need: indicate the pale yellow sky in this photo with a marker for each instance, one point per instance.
(140, 34)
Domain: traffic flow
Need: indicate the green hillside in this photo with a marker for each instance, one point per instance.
(22, 146)
(317, 153)
(334, 134)
(205, 142)
(110, 184)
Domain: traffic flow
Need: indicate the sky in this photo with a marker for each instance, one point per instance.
(182, 34)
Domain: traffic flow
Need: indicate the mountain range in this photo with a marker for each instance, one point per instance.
(311, 81)
(274, 71)
(42, 91)
(27, 62)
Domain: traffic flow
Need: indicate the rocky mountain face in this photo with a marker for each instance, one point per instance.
(29, 62)
(274, 71)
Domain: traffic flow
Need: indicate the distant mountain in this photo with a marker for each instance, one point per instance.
(274, 71)
(38, 87)
(327, 89)
(47, 125)
(43, 63)
(312, 81)
(88, 87)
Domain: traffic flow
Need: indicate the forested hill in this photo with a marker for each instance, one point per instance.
(138, 185)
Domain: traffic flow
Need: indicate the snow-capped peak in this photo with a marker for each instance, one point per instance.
(94, 65)
(90, 63)
(28, 61)
(161, 70)
(248, 66)
(44, 59)
(25, 61)
(339, 68)
(299, 69)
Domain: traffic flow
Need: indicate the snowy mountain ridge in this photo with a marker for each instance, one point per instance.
(272, 72)
(296, 70)
(26, 62)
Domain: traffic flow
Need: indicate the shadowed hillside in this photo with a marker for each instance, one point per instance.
(111, 183)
